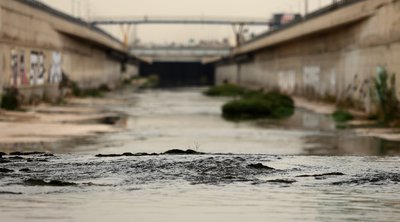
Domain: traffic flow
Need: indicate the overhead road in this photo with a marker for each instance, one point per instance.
(179, 20)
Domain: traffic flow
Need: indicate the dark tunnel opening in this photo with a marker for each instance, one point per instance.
(179, 74)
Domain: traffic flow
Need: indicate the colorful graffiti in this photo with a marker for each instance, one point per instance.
(18, 69)
(55, 70)
(38, 70)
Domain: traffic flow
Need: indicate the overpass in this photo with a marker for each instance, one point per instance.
(237, 24)
(179, 53)
(192, 20)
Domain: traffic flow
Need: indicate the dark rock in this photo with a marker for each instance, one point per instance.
(4, 170)
(26, 153)
(285, 181)
(38, 182)
(2, 160)
(260, 166)
(9, 193)
(16, 158)
(25, 170)
(48, 155)
(108, 155)
(322, 175)
(2, 154)
(111, 120)
(37, 160)
(182, 152)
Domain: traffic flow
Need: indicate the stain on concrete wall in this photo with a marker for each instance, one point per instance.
(38, 70)
(55, 75)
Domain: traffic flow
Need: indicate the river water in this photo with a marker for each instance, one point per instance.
(300, 169)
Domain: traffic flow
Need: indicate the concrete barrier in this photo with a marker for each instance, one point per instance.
(39, 44)
(332, 56)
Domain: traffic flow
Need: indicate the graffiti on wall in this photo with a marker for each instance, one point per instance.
(311, 76)
(14, 69)
(287, 81)
(55, 75)
(38, 70)
(18, 68)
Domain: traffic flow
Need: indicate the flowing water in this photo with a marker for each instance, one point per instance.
(300, 169)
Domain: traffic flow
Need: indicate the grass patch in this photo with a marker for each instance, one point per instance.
(92, 92)
(258, 105)
(342, 116)
(228, 90)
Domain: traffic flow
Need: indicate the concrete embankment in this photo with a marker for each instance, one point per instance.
(41, 47)
(330, 55)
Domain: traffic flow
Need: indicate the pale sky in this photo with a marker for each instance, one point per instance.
(181, 33)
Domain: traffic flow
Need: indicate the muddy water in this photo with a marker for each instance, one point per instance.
(254, 171)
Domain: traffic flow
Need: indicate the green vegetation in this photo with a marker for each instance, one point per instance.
(255, 105)
(151, 81)
(385, 95)
(342, 116)
(228, 90)
(9, 99)
(92, 92)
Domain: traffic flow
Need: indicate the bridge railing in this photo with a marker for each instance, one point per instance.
(179, 20)
(320, 12)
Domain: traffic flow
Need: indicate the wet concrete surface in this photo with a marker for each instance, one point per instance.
(301, 169)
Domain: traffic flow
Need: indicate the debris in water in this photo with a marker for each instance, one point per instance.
(322, 175)
(286, 181)
(38, 182)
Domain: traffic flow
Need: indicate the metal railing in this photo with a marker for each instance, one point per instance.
(179, 20)
(320, 12)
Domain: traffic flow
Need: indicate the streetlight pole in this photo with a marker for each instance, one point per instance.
(305, 7)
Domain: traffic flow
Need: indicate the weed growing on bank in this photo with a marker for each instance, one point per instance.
(385, 95)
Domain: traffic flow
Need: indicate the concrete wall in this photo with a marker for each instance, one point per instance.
(36, 47)
(336, 61)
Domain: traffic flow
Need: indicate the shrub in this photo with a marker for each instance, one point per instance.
(385, 95)
(9, 99)
(342, 116)
(258, 105)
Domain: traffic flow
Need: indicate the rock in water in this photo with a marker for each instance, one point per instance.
(260, 166)
(4, 170)
(182, 152)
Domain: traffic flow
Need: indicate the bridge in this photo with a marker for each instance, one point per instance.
(237, 23)
(192, 20)
(179, 53)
